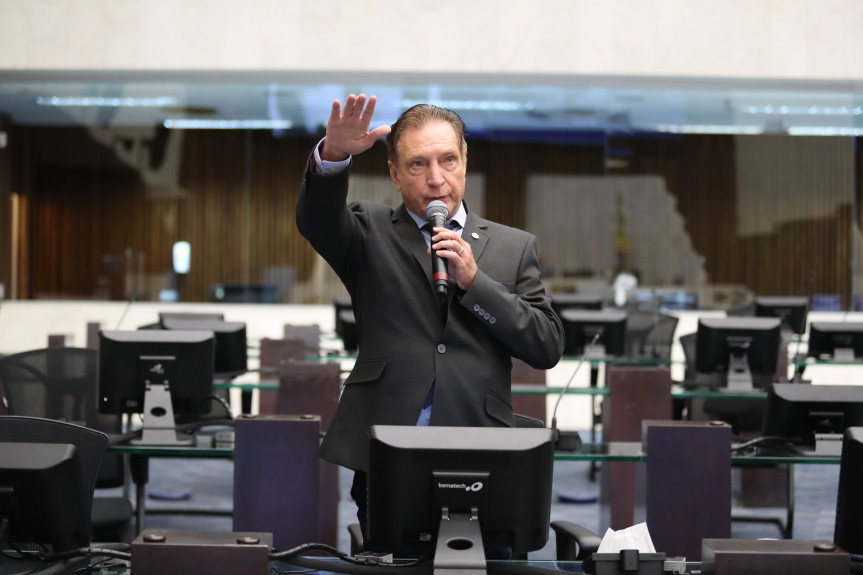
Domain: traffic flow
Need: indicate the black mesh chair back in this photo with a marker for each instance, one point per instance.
(54, 383)
(661, 338)
(649, 334)
(60, 383)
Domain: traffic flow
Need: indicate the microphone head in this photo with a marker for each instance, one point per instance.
(436, 208)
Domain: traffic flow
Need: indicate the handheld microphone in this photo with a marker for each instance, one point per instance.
(570, 441)
(436, 213)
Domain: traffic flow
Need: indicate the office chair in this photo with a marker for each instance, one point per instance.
(90, 443)
(60, 383)
(649, 334)
(574, 542)
(310, 334)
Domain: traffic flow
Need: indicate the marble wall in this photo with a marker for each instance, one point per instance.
(791, 39)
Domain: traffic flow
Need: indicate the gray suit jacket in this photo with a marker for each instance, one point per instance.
(404, 346)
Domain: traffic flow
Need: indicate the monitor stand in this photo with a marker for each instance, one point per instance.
(159, 425)
(739, 376)
(459, 549)
(843, 354)
(828, 444)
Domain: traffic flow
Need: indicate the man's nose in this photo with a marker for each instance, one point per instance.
(435, 177)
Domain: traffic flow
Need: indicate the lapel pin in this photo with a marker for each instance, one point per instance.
(475, 236)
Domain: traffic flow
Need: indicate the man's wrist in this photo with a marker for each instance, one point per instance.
(323, 166)
(329, 155)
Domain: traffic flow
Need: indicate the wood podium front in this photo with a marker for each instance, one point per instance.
(636, 394)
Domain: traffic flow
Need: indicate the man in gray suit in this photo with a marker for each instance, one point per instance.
(418, 364)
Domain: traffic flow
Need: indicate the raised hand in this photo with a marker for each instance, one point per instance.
(348, 130)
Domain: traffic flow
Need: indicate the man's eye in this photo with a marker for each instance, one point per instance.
(417, 164)
(449, 159)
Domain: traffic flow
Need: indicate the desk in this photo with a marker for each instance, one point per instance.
(139, 466)
(311, 564)
(677, 392)
(621, 451)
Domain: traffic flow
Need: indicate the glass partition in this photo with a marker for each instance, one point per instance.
(673, 193)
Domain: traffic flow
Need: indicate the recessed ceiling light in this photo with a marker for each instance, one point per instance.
(101, 102)
(195, 124)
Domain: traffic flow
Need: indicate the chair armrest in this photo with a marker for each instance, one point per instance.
(356, 535)
(574, 542)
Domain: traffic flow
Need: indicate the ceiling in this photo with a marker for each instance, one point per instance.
(495, 106)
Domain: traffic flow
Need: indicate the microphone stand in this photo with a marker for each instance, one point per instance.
(569, 440)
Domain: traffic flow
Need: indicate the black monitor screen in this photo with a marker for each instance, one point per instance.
(737, 352)
(346, 323)
(42, 496)
(171, 369)
(168, 315)
(582, 326)
(792, 311)
(500, 475)
(678, 300)
(244, 293)
(848, 531)
(562, 301)
(231, 357)
(836, 340)
(799, 412)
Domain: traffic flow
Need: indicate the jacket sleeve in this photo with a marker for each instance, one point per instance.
(519, 316)
(324, 219)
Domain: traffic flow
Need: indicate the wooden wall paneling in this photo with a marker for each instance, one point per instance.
(241, 189)
(6, 189)
(277, 169)
(700, 172)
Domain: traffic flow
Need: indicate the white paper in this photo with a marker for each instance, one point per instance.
(635, 537)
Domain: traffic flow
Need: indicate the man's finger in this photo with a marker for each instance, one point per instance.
(370, 109)
(336, 111)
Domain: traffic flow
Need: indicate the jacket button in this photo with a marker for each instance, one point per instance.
(492, 320)
(487, 315)
(441, 348)
(476, 307)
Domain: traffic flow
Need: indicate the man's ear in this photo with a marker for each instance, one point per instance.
(394, 175)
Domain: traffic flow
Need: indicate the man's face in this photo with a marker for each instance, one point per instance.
(430, 166)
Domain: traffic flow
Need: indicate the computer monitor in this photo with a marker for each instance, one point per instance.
(168, 315)
(812, 418)
(739, 353)
(582, 326)
(474, 488)
(848, 529)
(677, 300)
(157, 373)
(345, 322)
(43, 498)
(562, 301)
(232, 354)
(837, 341)
(244, 293)
(792, 311)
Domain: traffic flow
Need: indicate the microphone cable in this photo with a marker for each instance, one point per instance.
(581, 361)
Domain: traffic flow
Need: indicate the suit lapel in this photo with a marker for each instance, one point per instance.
(475, 233)
(410, 236)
